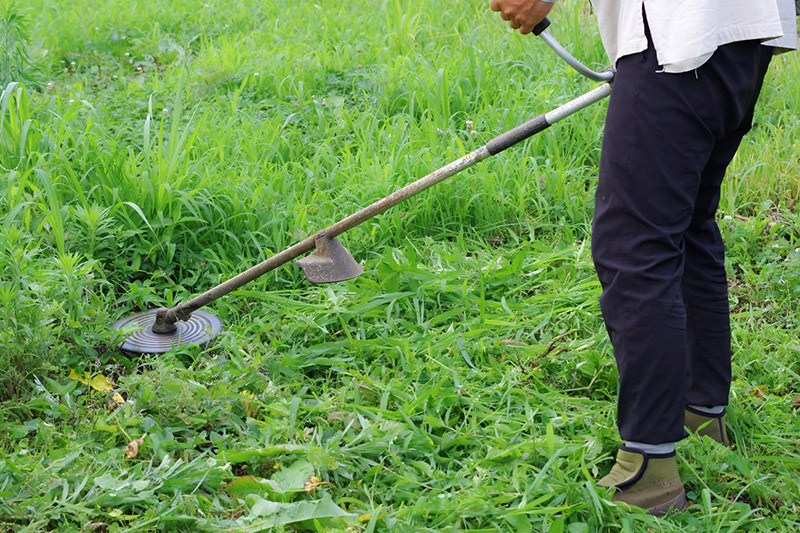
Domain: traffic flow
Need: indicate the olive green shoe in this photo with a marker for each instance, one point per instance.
(649, 481)
(707, 425)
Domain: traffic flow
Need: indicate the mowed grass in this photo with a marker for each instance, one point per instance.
(464, 382)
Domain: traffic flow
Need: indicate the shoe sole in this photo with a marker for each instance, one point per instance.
(678, 503)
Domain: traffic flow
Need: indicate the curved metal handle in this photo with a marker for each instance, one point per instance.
(606, 75)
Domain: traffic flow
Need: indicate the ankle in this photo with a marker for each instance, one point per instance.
(651, 449)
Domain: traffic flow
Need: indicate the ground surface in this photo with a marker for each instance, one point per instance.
(464, 382)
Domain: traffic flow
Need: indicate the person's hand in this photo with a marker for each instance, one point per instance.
(522, 15)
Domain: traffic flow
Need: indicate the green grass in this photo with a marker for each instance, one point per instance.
(464, 382)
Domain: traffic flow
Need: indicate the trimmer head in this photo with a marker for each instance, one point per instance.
(201, 327)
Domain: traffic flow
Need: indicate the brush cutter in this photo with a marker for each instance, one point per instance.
(156, 331)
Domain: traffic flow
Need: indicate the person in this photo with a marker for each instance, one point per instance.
(687, 79)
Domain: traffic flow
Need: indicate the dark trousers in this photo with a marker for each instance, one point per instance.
(655, 242)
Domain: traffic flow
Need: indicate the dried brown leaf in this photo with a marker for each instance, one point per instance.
(761, 392)
(132, 449)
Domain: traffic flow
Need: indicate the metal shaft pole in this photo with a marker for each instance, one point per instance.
(166, 318)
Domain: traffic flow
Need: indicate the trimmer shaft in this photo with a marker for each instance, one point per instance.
(185, 323)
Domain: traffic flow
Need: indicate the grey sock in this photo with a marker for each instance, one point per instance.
(667, 447)
(713, 410)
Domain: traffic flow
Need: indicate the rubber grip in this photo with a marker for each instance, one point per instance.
(520, 133)
(543, 25)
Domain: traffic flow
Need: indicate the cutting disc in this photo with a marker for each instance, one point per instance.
(201, 327)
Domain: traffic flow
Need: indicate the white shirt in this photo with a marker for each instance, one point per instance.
(686, 33)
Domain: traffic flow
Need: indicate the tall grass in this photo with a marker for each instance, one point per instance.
(465, 382)
(17, 63)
